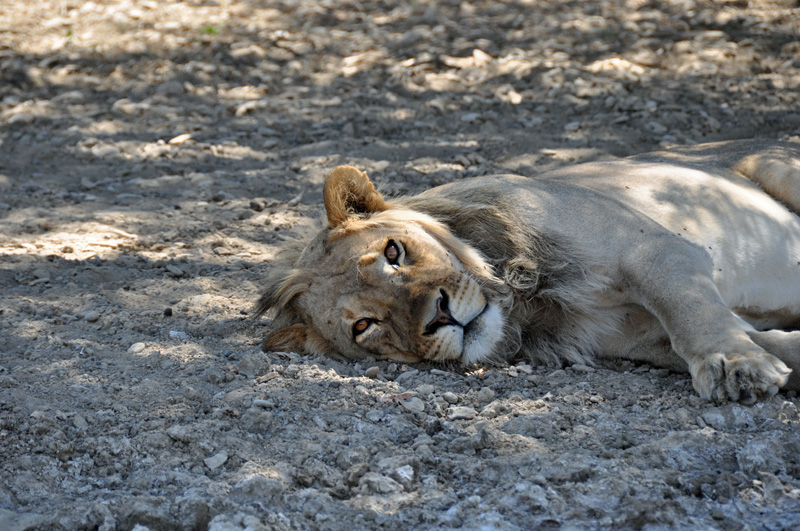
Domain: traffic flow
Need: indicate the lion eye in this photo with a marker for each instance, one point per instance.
(361, 325)
(392, 253)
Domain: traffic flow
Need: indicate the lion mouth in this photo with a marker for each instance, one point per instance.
(482, 335)
(470, 326)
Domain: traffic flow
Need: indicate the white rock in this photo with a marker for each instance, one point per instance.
(485, 395)
(178, 334)
(461, 413)
(413, 404)
(136, 348)
(104, 151)
(216, 460)
(450, 397)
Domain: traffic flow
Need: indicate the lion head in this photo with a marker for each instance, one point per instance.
(384, 281)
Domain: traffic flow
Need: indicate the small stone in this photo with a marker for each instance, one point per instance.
(92, 316)
(450, 397)
(167, 312)
(170, 88)
(583, 368)
(136, 348)
(485, 395)
(181, 434)
(254, 365)
(79, 422)
(216, 460)
(180, 139)
(256, 420)
(413, 404)
(425, 389)
(461, 413)
(215, 376)
(492, 410)
(201, 299)
(178, 334)
(372, 372)
(373, 482)
(258, 486)
(175, 270)
(374, 415)
(104, 151)
(42, 274)
(524, 368)
(404, 474)
(656, 127)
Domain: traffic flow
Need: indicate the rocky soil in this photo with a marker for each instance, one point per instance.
(155, 156)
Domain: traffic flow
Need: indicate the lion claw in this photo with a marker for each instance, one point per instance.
(744, 378)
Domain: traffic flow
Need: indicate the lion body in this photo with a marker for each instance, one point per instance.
(686, 258)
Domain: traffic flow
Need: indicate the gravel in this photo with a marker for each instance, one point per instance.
(159, 155)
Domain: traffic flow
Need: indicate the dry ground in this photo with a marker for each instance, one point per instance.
(154, 156)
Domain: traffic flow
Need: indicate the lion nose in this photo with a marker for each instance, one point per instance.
(443, 316)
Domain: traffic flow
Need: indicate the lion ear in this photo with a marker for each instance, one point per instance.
(348, 192)
(298, 338)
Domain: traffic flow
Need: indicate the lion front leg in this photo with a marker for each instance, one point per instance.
(672, 279)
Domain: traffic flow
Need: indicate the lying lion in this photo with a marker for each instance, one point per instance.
(687, 258)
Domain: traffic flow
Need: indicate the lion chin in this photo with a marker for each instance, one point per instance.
(686, 259)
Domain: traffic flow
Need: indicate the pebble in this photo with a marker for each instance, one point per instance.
(41, 274)
(175, 270)
(524, 368)
(254, 365)
(216, 460)
(201, 299)
(374, 415)
(92, 316)
(80, 422)
(372, 372)
(256, 419)
(178, 334)
(104, 151)
(180, 139)
(461, 413)
(578, 367)
(413, 404)
(485, 395)
(373, 482)
(136, 348)
(425, 389)
(450, 397)
(181, 433)
(656, 127)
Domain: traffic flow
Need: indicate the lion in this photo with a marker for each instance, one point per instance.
(687, 258)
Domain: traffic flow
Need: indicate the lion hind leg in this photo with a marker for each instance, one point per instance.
(777, 171)
(786, 347)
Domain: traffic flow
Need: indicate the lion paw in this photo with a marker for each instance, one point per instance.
(745, 378)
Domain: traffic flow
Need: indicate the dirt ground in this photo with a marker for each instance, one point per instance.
(154, 158)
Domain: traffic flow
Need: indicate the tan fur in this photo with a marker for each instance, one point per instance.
(672, 258)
